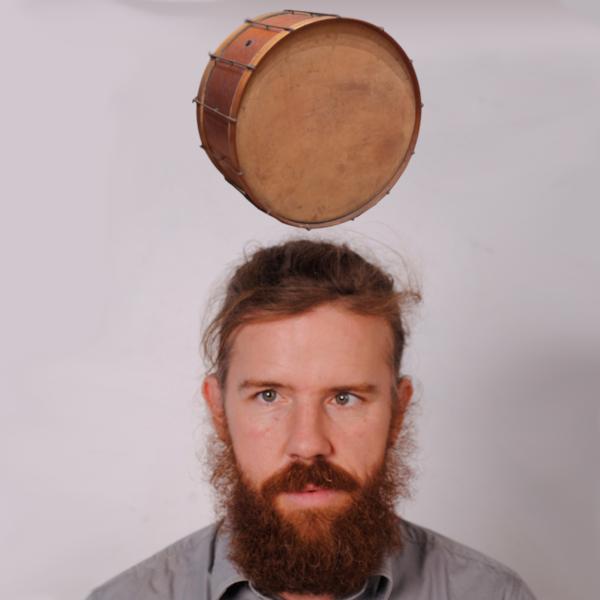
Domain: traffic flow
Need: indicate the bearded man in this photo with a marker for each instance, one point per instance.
(310, 451)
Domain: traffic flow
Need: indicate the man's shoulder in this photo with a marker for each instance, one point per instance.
(439, 562)
(169, 573)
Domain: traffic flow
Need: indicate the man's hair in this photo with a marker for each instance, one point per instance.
(297, 276)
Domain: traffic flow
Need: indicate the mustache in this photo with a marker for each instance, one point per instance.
(298, 475)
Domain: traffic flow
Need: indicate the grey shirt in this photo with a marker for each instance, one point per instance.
(429, 567)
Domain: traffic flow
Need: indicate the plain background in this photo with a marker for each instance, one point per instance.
(115, 227)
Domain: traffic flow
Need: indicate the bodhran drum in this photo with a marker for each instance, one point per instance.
(313, 117)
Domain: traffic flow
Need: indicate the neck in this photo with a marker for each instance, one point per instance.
(287, 596)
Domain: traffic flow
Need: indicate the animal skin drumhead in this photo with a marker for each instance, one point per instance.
(327, 122)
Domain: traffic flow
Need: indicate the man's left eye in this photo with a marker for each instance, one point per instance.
(345, 399)
(268, 396)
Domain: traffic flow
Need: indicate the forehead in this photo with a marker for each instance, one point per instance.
(325, 346)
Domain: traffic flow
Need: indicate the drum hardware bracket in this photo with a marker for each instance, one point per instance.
(215, 110)
(268, 26)
(231, 62)
(312, 14)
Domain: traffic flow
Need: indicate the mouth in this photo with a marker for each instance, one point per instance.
(312, 496)
(311, 488)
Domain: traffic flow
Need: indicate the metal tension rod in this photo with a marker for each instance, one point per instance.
(267, 26)
(229, 61)
(215, 110)
(312, 14)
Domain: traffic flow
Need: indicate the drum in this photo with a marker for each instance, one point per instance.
(313, 117)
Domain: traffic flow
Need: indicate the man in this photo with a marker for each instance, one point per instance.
(309, 408)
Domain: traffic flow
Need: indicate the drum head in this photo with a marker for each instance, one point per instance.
(327, 122)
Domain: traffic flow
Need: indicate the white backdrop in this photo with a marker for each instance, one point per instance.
(116, 226)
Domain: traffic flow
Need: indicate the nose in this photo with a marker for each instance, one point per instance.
(308, 435)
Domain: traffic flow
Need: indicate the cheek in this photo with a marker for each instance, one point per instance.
(255, 445)
(363, 443)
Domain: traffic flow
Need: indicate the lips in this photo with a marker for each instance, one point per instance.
(312, 496)
(311, 488)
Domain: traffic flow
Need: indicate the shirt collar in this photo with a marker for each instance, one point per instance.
(384, 577)
(224, 573)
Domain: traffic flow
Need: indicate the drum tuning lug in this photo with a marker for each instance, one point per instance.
(195, 100)
(422, 105)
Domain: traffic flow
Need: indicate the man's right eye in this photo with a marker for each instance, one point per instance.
(267, 396)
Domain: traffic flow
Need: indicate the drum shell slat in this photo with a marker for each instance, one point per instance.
(224, 80)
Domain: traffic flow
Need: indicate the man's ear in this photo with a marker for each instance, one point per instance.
(404, 394)
(214, 397)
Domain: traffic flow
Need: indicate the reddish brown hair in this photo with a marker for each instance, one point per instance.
(299, 275)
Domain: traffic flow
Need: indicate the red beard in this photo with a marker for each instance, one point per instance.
(328, 551)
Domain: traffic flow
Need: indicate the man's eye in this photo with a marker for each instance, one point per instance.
(267, 396)
(345, 399)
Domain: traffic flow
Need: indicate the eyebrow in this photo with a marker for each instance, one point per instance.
(256, 383)
(364, 388)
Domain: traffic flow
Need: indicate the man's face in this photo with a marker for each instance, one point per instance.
(314, 386)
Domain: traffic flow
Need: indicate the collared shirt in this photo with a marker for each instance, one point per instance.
(428, 567)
